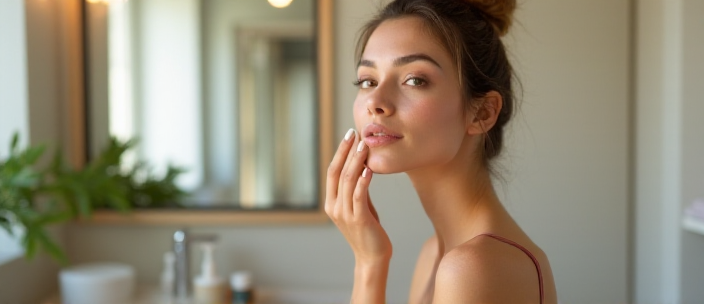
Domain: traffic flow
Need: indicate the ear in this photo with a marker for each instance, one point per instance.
(485, 113)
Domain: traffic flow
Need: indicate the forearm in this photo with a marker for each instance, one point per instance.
(370, 282)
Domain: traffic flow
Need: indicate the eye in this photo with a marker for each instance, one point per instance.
(364, 83)
(415, 81)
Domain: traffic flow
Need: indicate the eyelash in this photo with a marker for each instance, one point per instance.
(420, 79)
(358, 83)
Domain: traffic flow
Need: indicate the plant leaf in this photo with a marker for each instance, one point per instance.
(52, 218)
(26, 178)
(51, 247)
(14, 142)
(32, 154)
(119, 202)
(82, 198)
(7, 225)
(30, 242)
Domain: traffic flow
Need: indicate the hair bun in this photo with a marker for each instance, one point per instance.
(499, 13)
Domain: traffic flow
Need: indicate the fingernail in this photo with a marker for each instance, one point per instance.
(364, 173)
(360, 147)
(349, 134)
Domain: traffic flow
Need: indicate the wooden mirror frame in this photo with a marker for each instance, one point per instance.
(75, 51)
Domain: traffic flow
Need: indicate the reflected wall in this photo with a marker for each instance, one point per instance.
(225, 89)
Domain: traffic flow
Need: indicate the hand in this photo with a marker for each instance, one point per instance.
(348, 204)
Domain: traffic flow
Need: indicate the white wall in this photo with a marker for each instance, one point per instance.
(670, 168)
(692, 144)
(648, 278)
(567, 169)
(658, 113)
(568, 157)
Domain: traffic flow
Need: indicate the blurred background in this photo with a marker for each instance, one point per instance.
(603, 157)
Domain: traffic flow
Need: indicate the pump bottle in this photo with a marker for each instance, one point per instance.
(208, 287)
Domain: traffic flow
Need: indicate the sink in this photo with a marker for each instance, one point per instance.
(143, 295)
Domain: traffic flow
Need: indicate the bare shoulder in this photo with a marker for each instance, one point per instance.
(486, 270)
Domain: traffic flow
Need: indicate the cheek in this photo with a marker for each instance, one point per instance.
(440, 129)
(358, 112)
(438, 118)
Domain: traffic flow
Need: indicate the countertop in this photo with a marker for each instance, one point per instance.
(151, 295)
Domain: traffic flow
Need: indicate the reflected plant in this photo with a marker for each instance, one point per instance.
(32, 198)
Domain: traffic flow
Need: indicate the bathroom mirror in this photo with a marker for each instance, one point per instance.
(238, 93)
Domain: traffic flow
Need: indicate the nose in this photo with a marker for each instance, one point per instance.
(379, 102)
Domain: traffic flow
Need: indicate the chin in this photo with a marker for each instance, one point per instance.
(380, 165)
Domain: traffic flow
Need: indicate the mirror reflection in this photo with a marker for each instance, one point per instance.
(225, 89)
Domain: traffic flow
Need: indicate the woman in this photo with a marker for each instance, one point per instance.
(434, 97)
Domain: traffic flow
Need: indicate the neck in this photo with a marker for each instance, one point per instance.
(459, 199)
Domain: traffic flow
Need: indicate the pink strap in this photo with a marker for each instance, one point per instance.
(532, 257)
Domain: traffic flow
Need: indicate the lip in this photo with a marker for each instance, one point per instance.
(388, 136)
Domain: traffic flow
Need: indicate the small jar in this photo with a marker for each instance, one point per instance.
(241, 284)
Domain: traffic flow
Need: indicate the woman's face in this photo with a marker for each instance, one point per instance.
(409, 107)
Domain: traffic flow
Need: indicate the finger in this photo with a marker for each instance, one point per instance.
(350, 154)
(340, 206)
(372, 209)
(361, 200)
(335, 169)
(351, 177)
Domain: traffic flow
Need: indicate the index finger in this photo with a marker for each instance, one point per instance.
(337, 163)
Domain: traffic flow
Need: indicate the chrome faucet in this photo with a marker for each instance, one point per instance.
(182, 242)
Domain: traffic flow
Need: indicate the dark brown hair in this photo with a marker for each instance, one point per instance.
(470, 30)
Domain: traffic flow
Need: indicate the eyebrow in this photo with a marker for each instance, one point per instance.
(402, 61)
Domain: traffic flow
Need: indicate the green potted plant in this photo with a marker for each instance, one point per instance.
(32, 198)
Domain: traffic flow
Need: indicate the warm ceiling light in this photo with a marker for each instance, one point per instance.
(280, 3)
